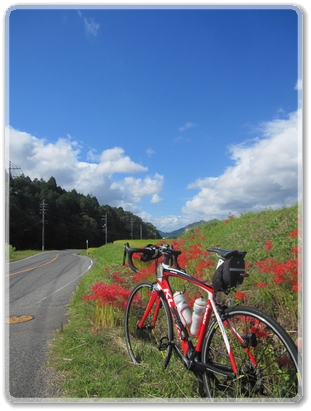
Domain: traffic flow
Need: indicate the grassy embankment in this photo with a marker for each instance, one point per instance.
(11, 254)
(91, 357)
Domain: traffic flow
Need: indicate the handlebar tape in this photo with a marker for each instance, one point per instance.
(148, 253)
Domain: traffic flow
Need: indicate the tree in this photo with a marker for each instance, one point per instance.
(71, 218)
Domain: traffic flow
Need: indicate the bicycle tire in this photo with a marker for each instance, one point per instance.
(149, 346)
(276, 375)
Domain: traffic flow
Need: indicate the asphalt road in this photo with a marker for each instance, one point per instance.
(39, 288)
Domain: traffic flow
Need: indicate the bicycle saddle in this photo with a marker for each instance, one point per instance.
(227, 253)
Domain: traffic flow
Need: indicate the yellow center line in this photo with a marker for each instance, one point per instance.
(15, 319)
(33, 268)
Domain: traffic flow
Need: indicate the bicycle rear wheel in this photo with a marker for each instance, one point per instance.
(270, 371)
(148, 345)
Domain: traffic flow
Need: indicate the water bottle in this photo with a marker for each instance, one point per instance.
(199, 307)
(183, 308)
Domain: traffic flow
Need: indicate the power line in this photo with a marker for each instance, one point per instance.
(25, 229)
(14, 169)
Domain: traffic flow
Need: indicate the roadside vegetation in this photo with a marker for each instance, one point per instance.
(89, 352)
(11, 254)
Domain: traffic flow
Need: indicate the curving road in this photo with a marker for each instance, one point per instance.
(37, 289)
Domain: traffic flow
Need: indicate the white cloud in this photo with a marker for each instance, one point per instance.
(186, 126)
(136, 188)
(92, 155)
(113, 161)
(91, 27)
(299, 85)
(39, 158)
(150, 152)
(265, 174)
(156, 198)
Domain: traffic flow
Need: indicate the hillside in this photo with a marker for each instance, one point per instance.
(180, 231)
(68, 218)
(89, 353)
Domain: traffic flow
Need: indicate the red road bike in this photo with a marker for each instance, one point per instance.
(240, 353)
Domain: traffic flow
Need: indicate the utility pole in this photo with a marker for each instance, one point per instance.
(14, 170)
(132, 223)
(43, 207)
(105, 225)
(141, 231)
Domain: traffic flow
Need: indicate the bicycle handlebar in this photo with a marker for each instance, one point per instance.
(151, 252)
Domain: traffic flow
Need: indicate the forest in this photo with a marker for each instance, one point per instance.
(44, 216)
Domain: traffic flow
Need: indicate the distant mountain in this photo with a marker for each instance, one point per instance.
(180, 231)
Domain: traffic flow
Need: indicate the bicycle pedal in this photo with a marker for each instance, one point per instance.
(163, 343)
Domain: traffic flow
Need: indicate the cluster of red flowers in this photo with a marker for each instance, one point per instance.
(230, 217)
(295, 233)
(285, 273)
(108, 294)
(195, 260)
(194, 257)
(117, 278)
(239, 295)
(268, 245)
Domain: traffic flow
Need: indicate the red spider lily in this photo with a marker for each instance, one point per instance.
(296, 286)
(284, 273)
(285, 362)
(250, 320)
(136, 256)
(260, 332)
(109, 294)
(144, 273)
(205, 264)
(261, 284)
(289, 267)
(190, 254)
(295, 233)
(116, 278)
(268, 245)
(268, 265)
(297, 250)
(240, 295)
(199, 235)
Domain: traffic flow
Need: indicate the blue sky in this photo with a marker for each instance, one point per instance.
(175, 114)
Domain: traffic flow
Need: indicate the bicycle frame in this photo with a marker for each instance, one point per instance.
(191, 355)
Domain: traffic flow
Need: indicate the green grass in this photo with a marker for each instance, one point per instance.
(92, 361)
(96, 364)
(12, 255)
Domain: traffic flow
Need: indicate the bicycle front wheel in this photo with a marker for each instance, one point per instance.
(148, 343)
(265, 355)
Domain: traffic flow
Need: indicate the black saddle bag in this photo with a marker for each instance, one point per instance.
(229, 274)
